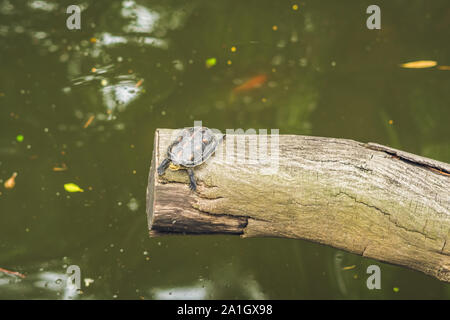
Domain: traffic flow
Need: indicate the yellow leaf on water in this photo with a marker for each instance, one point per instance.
(443, 67)
(11, 182)
(419, 64)
(72, 187)
(349, 267)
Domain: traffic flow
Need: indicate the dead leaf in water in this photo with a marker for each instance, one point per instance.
(443, 67)
(89, 121)
(349, 267)
(11, 182)
(72, 187)
(253, 83)
(139, 83)
(12, 273)
(62, 168)
(421, 64)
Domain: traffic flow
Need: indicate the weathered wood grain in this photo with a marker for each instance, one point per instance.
(368, 199)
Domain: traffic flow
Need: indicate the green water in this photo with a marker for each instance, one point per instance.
(327, 75)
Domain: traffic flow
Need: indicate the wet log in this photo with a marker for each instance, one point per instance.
(364, 198)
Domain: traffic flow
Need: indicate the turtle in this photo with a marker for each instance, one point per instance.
(192, 147)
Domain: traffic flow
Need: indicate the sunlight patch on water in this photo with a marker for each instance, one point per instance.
(143, 20)
(188, 293)
(43, 5)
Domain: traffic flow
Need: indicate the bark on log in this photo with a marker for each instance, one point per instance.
(365, 198)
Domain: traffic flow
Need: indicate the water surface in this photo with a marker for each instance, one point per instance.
(140, 65)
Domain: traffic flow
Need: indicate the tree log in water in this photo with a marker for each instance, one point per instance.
(364, 198)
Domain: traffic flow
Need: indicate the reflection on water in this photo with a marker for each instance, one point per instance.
(92, 99)
(186, 293)
(247, 287)
(50, 285)
(338, 258)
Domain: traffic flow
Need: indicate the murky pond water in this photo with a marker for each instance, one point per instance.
(82, 106)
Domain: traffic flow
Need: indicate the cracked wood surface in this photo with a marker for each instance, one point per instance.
(368, 199)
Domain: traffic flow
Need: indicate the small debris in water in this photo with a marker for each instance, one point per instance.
(133, 204)
(72, 187)
(139, 83)
(211, 62)
(14, 273)
(19, 138)
(349, 267)
(11, 182)
(89, 121)
(419, 64)
(62, 168)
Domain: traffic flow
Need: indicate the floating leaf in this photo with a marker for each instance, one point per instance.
(21, 275)
(419, 64)
(88, 281)
(211, 62)
(349, 267)
(62, 168)
(89, 121)
(139, 83)
(11, 182)
(443, 67)
(72, 187)
(252, 83)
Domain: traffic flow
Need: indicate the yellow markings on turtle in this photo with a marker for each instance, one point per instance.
(174, 167)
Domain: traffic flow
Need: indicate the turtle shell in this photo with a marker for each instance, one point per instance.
(192, 147)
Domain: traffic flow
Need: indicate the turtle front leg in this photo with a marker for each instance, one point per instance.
(163, 166)
(192, 184)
